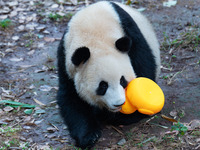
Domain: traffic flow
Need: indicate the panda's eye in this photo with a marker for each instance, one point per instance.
(102, 88)
(123, 82)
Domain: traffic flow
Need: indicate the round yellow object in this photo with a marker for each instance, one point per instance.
(143, 95)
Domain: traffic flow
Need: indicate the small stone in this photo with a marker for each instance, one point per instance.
(121, 142)
(31, 26)
(22, 138)
(21, 28)
(14, 3)
(3, 16)
(41, 28)
(9, 50)
(5, 10)
(15, 38)
(27, 127)
(195, 124)
(31, 52)
(13, 13)
(40, 45)
(54, 6)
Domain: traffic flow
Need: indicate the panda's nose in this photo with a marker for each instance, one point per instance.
(118, 105)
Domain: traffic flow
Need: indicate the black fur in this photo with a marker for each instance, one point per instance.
(85, 121)
(140, 53)
(103, 86)
(123, 82)
(77, 114)
(123, 44)
(81, 55)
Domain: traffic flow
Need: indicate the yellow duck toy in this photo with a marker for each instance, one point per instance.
(144, 95)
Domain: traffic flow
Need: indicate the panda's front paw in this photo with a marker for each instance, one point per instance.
(89, 139)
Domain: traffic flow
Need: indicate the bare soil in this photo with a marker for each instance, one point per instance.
(28, 73)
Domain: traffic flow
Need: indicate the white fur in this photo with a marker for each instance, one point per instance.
(98, 28)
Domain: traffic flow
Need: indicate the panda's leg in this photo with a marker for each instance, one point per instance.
(80, 119)
(127, 119)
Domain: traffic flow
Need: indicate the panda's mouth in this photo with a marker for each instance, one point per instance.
(116, 109)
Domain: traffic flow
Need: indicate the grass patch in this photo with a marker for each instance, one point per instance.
(58, 17)
(180, 128)
(8, 131)
(187, 39)
(5, 23)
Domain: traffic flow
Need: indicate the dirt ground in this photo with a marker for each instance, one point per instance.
(28, 74)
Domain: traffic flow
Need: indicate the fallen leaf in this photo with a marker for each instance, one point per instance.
(39, 121)
(49, 39)
(38, 102)
(51, 129)
(45, 88)
(16, 104)
(28, 111)
(40, 111)
(168, 118)
(16, 59)
(8, 108)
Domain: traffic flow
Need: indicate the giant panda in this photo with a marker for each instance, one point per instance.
(105, 46)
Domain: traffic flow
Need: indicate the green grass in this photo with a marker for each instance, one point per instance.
(189, 38)
(8, 131)
(5, 23)
(57, 17)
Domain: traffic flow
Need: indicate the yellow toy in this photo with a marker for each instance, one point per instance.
(144, 95)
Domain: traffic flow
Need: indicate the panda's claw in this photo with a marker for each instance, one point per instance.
(89, 139)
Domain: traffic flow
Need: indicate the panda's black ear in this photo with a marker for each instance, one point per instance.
(123, 44)
(81, 55)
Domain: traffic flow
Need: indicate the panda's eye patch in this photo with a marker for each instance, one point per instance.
(102, 88)
(123, 82)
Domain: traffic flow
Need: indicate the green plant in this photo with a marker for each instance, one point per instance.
(165, 77)
(187, 39)
(180, 128)
(29, 43)
(55, 17)
(195, 133)
(5, 23)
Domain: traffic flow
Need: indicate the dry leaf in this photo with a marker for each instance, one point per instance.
(49, 39)
(8, 108)
(16, 59)
(168, 118)
(38, 102)
(51, 129)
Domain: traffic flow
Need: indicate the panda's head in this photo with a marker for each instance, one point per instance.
(101, 78)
